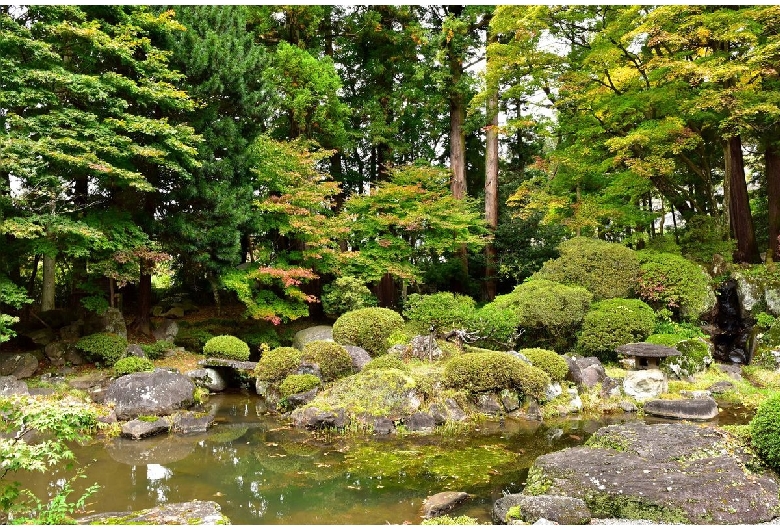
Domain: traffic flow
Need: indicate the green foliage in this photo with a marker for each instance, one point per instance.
(368, 328)
(495, 326)
(104, 348)
(193, 339)
(549, 313)
(257, 336)
(608, 270)
(703, 237)
(58, 510)
(346, 294)
(14, 296)
(549, 361)
(765, 431)
(695, 354)
(764, 321)
(441, 311)
(278, 363)
(333, 359)
(463, 520)
(488, 371)
(612, 323)
(386, 361)
(227, 347)
(130, 365)
(158, 349)
(297, 383)
(671, 281)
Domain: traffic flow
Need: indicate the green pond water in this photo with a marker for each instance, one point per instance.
(260, 471)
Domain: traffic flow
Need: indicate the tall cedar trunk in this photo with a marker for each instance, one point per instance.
(741, 220)
(79, 272)
(47, 290)
(772, 160)
(491, 191)
(386, 291)
(143, 322)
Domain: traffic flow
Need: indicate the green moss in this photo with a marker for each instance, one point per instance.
(537, 483)
(608, 440)
(609, 506)
(492, 371)
(129, 365)
(383, 362)
(765, 431)
(105, 348)
(297, 383)
(549, 361)
(278, 363)
(514, 514)
(227, 347)
(463, 520)
(158, 349)
(333, 359)
(368, 328)
(148, 419)
(442, 311)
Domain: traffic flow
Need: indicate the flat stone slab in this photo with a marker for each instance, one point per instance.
(158, 393)
(704, 408)
(137, 429)
(670, 473)
(213, 362)
(532, 508)
(180, 513)
(442, 503)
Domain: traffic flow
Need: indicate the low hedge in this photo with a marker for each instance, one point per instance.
(548, 361)
(105, 348)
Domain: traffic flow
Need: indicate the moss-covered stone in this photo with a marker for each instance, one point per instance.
(226, 347)
(334, 361)
(278, 363)
(368, 328)
(607, 506)
(487, 371)
(548, 361)
(297, 383)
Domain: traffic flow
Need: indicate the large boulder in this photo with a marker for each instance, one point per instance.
(111, 321)
(360, 357)
(531, 508)
(704, 408)
(314, 419)
(10, 385)
(208, 378)
(307, 335)
(166, 330)
(442, 503)
(645, 384)
(181, 513)
(158, 393)
(671, 473)
(63, 352)
(19, 365)
(585, 372)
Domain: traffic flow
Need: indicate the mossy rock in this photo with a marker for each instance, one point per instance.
(334, 361)
(368, 328)
(549, 361)
(278, 363)
(488, 371)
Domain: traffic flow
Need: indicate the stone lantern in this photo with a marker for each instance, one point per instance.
(645, 356)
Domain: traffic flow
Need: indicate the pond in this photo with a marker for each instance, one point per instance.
(260, 471)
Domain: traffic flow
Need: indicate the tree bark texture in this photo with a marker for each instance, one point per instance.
(741, 219)
(491, 193)
(772, 161)
(47, 290)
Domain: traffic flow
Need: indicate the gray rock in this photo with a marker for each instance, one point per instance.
(772, 298)
(182, 513)
(309, 368)
(302, 398)
(575, 401)
(208, 378)
(313, 418)
(360, 357)
(137, 429)
(585, 372)
(190, 422)
(305, 336)
(734, 371)
(611, 387)
(420, 422)
(383, 426)
(269, 392)
(88, 381)
(645, 384)
(438, 413)
(423, 347)
(748, 292)
(19, 365)
(238, 366)
(111, 321)
(42, 337)
(664, 472)
(552, 391)
(721, 387)
(10, 386)
(683, 409)
(174, 312)
(488, 403)
(696, 394)
(166, 330)
(557, 509)
(442, 503)
(509, 400)
(627, 406)
(134, 350)
(72, 331)
(454, 411)
(158, 393)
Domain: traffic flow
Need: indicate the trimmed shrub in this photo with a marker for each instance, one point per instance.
(765, 431)
(694, 354)
(671, 281)
(297, 383)
(608, 270)
(278, 363)
(548, 312)
(130, 365)
(227, 347)
(490, 371)
(383, 362)
(442, 311)
(346, 294)
(612, 323)
(495, 326)
(105, 348)
(158, 349)
(333, 359)
(549, 361)
(367, 328)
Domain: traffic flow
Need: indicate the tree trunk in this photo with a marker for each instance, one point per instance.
(143, 322)
(386, 291)
(491, 191)
(47, 290)
(772, 160)
(741, 219)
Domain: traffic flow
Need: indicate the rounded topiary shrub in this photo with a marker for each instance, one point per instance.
(548, 312)
(495, 326)
(612, 323)
(105, 348)
(333, 359)
(130, 365)
(608, 270)
(346, 294)
(278, 363)
(297, 383)
(386, 361)
(227, 347)
(765, 431)
(367, 328)
(549, 361)
(442, 311)
(671, 281)
(490, 371)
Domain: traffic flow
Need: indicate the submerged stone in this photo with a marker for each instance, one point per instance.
(180, 513)
(442, 503)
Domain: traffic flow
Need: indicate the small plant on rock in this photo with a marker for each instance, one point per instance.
(333, 359)
(278, 363)
(227, 347)
(368, 328)
(131, 365)
(104, 348)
